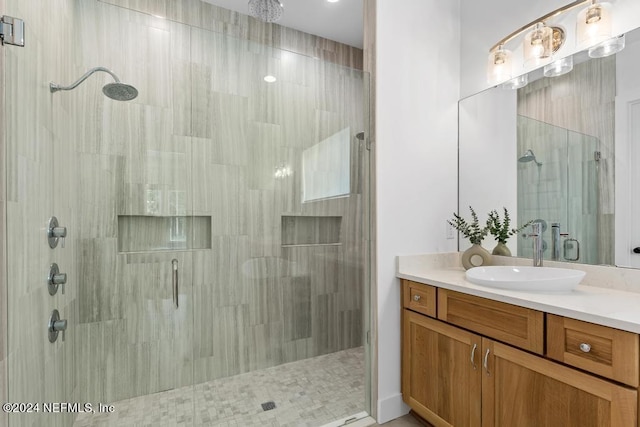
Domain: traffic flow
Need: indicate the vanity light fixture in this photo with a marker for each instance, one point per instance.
(499, 65)
(543, 40)
(270, 79)
(538, 44)
(517, 82)
(559, 67)
(609, 47)
(594, 24)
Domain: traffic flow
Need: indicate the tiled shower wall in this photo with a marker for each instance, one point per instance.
(203, 138)
(583, 101)
(39, 147)
(563, 189)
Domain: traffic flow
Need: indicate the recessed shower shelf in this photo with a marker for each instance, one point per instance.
(140, 233)
(311, 230)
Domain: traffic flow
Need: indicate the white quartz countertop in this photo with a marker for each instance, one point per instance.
(608, 307)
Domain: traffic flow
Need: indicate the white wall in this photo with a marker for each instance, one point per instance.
(627, 205)
(484, 23)
(488, 124)
(416, 157)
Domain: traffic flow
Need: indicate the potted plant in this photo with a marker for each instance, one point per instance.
(476, 255)
(499, 229)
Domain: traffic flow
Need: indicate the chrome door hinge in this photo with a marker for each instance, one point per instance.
(12, 31)
(368, 337)
(597, 156)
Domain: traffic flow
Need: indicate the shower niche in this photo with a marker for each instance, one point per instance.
(140, 233)
(310, 230)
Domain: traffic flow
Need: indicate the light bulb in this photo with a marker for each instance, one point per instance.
(593, 25)
(499, 65)
(538, 45)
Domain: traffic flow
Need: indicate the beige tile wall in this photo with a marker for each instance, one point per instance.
(206, 125)
(39, 184)
(208, 17)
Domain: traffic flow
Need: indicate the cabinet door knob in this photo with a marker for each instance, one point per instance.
(416, 298)
(585, 347)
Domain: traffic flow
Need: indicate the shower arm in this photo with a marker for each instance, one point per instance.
(53, 87)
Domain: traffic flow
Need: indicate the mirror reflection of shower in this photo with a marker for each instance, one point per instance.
(117, 91)
(528, 156)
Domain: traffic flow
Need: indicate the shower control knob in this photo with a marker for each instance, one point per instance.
(55, 279)
(55, 232)
(636, 250)
(56, 325)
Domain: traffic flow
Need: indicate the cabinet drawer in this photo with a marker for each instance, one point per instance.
(605, 351)
(518, 326)
(419, 297)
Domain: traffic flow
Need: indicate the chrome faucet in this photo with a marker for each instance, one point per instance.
(555, 240)
(536, 235)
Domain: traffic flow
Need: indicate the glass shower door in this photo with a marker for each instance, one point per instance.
(118, 176)
(561, 190)
(280, 300)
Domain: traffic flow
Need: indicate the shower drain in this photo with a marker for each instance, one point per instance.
(267, 406)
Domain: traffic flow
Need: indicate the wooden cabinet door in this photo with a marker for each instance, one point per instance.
(524, 390)
(441, 371)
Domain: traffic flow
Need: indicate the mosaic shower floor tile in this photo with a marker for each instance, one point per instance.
(308, 393)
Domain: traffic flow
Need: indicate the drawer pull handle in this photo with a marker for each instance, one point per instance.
(416, 298)
(585, 347)
(473, 356)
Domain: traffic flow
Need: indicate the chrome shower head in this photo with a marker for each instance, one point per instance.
(117, 91)
(528, 156)
(266, 10)
(120, 91)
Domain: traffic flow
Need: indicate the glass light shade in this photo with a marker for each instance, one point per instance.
(538, 45)
(607, 48)
(593, 25)
(499, 66)
(517, 82)
(559, 67)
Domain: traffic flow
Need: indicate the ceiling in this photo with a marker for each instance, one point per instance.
(340, 21)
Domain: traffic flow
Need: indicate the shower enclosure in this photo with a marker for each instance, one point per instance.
(216, 225)
(558, 183)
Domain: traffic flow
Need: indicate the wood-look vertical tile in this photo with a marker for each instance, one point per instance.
(125, 337)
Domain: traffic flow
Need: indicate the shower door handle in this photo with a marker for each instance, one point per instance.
(174, 266)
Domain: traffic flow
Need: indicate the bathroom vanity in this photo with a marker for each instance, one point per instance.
(477, 356)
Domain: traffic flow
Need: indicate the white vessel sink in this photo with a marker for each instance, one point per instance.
(521, 278)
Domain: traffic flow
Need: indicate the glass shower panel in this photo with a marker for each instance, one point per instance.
(582, 199)
(284, 283)
(118, 176)
(542, 188)
(563, 189)
(201, 178)
(38, 370)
